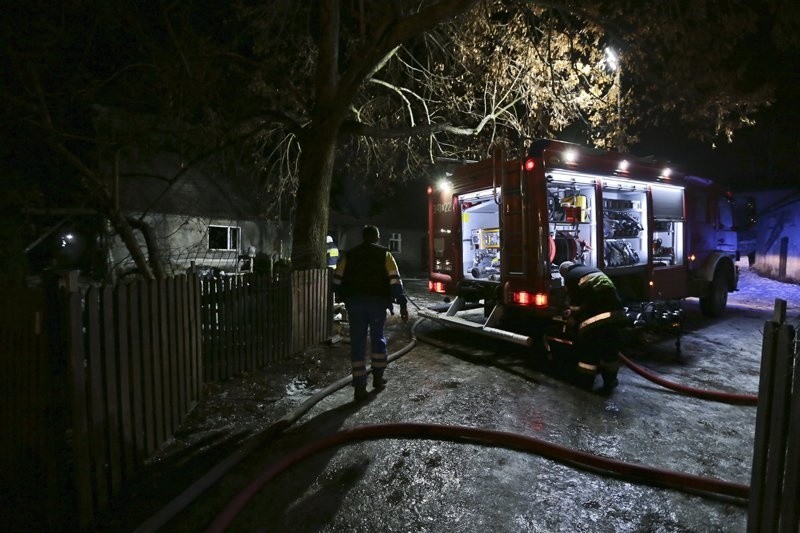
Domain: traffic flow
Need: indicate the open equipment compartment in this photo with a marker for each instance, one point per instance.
(624, 223)
(668, 220)
(480, 233)
(572, 218)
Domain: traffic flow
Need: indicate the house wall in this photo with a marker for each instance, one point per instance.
(778, 235)
(405, 212)
(184, 239)
(412, 258)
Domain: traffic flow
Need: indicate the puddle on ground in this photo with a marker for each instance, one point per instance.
(297, 386)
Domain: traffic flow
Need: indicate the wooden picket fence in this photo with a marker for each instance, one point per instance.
(95, 382)
(254, 320)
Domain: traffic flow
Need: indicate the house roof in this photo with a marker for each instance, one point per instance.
(195, 192)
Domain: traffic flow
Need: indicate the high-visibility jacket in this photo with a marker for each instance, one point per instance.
(332, 253)
(598, 314)
(368, 269)
(592, 294)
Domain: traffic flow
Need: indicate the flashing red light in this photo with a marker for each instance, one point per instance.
(530, 164)
(435, 286)
(525, 298)
(430, 189)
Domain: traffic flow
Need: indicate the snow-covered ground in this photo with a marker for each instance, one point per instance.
(757, 292)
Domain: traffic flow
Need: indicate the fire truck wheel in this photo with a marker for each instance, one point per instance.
(713, 304)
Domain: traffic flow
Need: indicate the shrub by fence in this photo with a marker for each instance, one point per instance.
(94, 383)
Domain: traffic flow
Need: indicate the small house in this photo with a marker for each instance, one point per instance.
(199, 219)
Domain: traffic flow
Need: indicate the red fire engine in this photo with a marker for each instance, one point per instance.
(499, 228)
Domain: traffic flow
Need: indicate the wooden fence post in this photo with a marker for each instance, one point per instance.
(774, 476)
(78, 400)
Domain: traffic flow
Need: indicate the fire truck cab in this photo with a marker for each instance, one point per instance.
(499, 228)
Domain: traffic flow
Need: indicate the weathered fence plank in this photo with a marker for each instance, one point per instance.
(126, 364)
(180, 343)
(110, 380)
(170, 321)
(135, 373)
(78, 404)
(148, 408)
(97, 408)
(125, 410)
(158, 374)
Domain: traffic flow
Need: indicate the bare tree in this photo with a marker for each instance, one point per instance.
(285, 95)
(88, 85)
(379, 89)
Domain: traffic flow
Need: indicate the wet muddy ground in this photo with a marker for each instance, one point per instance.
(462, 380)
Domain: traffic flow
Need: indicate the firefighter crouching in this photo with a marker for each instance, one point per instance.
(367, 280)
(596, 315)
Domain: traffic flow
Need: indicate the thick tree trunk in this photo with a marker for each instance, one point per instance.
(153, 252)
(313, 196)
(318, 145)
(125, 233)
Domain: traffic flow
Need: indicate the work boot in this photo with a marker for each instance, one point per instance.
(379, 382)
(360, 393)
(585, 381)
(610, 382)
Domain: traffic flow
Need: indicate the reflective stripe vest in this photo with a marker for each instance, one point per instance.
(592, 292)
(368, 269)
(333, 255)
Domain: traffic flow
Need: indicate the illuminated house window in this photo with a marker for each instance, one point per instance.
(395, 243)
(223, 237)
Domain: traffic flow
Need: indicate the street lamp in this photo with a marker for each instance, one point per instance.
(612, 60)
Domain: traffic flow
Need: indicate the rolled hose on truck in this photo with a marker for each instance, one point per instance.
(736, 493)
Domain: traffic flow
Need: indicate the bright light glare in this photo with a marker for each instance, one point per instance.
(666, 172)
(436, 286)
(612, 60)
(525, 298)
(444, 186)
(570, 156)
(623, 165)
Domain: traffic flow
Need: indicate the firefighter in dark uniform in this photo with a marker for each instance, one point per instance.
(367, 280)
(597, 315)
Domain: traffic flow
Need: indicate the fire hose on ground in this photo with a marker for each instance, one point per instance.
(598, 464)
(705, 394)
(738, 493)
(163, 516)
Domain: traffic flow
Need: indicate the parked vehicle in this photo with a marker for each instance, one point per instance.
(499, 228)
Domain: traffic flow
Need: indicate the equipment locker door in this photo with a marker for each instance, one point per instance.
(513, 262)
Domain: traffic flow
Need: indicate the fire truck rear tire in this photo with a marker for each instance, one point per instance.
(714, 303)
